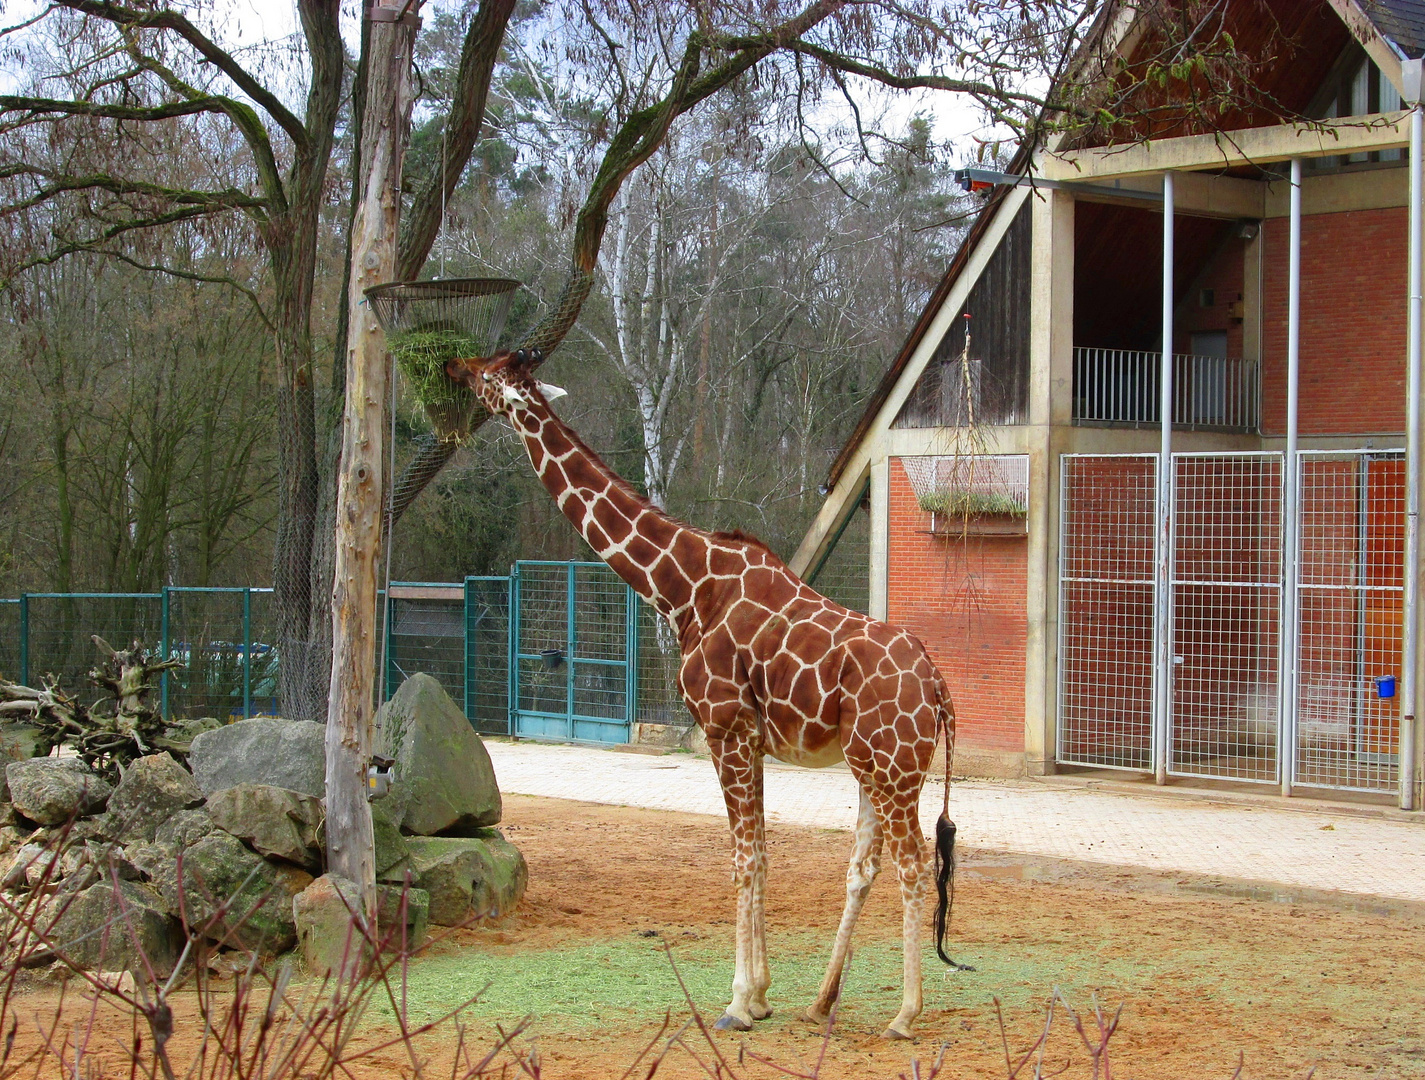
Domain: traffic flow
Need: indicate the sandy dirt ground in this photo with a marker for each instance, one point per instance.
(1200, 980)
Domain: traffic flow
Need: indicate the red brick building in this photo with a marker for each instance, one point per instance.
(1239, 613)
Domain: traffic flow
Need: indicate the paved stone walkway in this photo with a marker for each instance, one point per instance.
(1357, 855)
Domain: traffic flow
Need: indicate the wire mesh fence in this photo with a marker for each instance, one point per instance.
(845, 573)
(60, 628)
(1226, 626)
(1350, 618)
(487, 654)
(1226, 612)
(229, 663)
(1107, 551)
(659, 699)
(425, 627)
(10, 639)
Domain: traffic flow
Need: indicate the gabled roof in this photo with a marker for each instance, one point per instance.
(1400, 21)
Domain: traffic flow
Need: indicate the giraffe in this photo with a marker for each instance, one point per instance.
(769, 666)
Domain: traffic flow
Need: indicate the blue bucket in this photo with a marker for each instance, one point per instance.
(1385, 686)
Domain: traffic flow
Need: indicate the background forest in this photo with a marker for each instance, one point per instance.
(758, 274)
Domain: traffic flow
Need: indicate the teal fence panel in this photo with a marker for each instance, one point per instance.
(487, 654)
(556, 650)
(10, 639)
(228, 664)
(60, 628)
(425, 624)
(573, 666)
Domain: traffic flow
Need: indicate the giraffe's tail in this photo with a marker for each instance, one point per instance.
(945, 834)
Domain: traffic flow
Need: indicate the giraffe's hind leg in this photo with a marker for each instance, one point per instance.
(865, 862)
(906, 847)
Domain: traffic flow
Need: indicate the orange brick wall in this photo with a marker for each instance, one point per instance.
(965, 599)
(1353, 280)
(1223, 275)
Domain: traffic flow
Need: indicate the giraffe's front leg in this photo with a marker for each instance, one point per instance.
(738, 761)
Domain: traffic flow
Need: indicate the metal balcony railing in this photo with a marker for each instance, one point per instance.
(1210, 393)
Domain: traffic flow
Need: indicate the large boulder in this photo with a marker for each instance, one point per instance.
(272, 820)
(109, 929)
(392, 858)
(325, 915)
(444, 780)
(53, 790)
(289, 754)
(151, 791)
(218, 870)
(184, 828)
(468, 877)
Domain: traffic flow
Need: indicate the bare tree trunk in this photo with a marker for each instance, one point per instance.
(351, 709)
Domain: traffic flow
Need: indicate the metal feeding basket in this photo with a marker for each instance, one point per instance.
(429, 323)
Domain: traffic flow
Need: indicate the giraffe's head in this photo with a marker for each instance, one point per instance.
(503, 381)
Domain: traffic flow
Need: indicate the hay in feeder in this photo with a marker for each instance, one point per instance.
(422, 353)
(971, 503)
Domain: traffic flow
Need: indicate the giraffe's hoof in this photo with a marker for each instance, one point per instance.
(894, 1032)
(761, 1012)
(811, 1016)
(728, 1022)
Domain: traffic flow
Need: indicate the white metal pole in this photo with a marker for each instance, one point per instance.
(1286, 726)
(1410, 614)
(1163, 604)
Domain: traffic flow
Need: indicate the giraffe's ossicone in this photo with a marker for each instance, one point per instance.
(769, 666)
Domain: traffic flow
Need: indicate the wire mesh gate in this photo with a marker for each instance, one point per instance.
(573, 672)
(1351, 615)
(1225, 628)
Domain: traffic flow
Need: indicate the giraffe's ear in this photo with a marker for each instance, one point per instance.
(551, 392)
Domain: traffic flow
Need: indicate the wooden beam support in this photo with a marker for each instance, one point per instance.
(1227, 149)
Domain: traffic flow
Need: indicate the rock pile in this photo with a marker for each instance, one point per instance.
(235, 844)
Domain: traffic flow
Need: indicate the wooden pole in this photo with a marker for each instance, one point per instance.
(362, 480)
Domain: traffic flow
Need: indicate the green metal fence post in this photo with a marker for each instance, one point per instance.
(513, 664)
(24, 639)
(569, 650)
(631, 657)
(386, 679)
(247, 653)
(467, 669)
(163, 653)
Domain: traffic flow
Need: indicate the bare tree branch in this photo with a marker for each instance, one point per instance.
(209, 50)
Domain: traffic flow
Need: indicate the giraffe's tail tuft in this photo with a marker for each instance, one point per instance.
(945, 886)
(945, 836)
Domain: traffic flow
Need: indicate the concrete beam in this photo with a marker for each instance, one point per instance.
(1198, 194)
(1226, 149)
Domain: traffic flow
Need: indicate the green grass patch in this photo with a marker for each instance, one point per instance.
(630, 981)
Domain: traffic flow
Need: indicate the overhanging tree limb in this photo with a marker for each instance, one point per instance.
(637, 139)
(478, 55)
(208, 49)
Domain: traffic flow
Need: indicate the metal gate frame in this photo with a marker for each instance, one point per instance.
(1217, 746)
(1089, 670)
(571, 725)
(1133, 725)
(1353, 767)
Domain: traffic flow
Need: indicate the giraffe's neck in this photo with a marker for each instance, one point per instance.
(651, 551)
